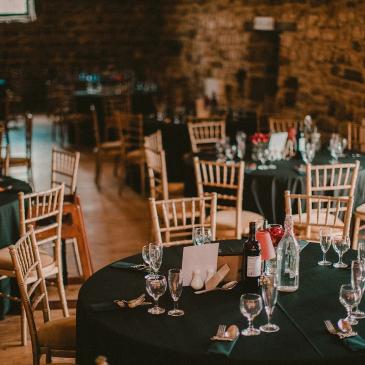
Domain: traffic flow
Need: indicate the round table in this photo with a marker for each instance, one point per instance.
(9, 223)
(264, 189)
(132, 336)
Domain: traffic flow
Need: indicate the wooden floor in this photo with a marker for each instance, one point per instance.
(117, 226)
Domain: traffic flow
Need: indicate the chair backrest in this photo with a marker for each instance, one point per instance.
(43, 210)
(224, 179)
(355, 136)
(204, 135)
(31, 283)
(340, 178)
(154, 141)
(157, 174)
(282, 124)
(174, 220)
(131, 126)
(319, 211)
(65, 166)
(111, 105)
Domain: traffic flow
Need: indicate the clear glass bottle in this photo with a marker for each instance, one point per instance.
(287, 254)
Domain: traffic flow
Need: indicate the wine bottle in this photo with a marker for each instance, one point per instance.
(251, 262)
(301, 143)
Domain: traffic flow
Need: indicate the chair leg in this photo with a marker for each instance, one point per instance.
(23, 326)
(143, 178)
(62, 294)
(355, 239)
(98, 166)
(77, 256)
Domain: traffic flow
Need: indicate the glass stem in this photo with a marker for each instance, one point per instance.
(175, 305)
(250, 327)
(324, 257)
(348, 312)
(340, 258)
(269, 319)
(156, 303)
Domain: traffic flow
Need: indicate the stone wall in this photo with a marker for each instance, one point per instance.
(313, 62)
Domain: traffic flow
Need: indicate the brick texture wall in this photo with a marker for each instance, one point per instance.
(316, 56)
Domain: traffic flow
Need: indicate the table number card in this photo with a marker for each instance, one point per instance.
(203, 258)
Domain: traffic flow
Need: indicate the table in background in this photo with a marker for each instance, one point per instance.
(264, 189)
(137, 337)
(9, 225)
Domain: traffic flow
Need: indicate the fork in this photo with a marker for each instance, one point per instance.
(220, 332)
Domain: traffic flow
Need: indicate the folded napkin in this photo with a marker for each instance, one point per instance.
(128, 266)
(355, 343)
(120, 304)
(222, 347)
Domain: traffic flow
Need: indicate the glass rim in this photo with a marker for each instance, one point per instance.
(155, 277)
(254, 296)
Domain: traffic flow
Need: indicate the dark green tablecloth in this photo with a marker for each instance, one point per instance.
(9, 224)
(136, 337)
(264, 190)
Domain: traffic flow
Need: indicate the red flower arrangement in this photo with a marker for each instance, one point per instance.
(258, 138)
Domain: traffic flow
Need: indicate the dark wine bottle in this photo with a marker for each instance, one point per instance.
(251, 262)
(300, 143)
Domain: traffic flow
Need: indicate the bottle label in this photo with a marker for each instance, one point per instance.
(253, 266)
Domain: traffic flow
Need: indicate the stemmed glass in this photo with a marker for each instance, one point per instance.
(310, 151)
(156, 287)
(146, 258)
(325, 240)
(250, 306)
(349, 298)
(175, 280)
(341, 244)
(361, 250)
(156, 253)
(201, 235)
(270, 296)
(263, 155)
(358, 281)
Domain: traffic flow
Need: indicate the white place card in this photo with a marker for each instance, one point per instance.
(203, 258)
(278, 141)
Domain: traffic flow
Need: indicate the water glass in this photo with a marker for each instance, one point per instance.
(156, 287)
(310, 150)
(361, 250)
(349, 298)
(250, 306)
(358, 281)
(201, 235)
(175, 280)
(325, 240)
(156, 253)
(341, 244)
(263, 155)
(270, 296)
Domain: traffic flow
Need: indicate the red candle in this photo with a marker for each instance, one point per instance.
(267, 248)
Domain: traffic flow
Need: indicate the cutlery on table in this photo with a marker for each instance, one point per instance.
(230, 335)
(346, 328)
(133, 302)
(228, 286)
(333, 331)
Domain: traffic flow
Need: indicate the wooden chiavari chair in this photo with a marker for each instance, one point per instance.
(154, 141)
(105, 150)
(64, 171)
(160, 188)
(44, 211)
(355, 136)
(174, 220)
(204, 135)
(314, 212)
(282, 124)
(133, 143)
(54, 337)
(27, 159)
(4, 152)
(227, 181)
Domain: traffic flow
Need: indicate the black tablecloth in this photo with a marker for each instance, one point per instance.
(9, 224)
(136, 337)
(264, 189)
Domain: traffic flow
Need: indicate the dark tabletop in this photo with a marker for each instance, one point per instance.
(136, 337)
(9, 224)
(264, 189)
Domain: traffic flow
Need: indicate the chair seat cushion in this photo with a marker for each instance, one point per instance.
(58, 334)
(135, 155)
(226, 220)
(7, 264)
(361, 209)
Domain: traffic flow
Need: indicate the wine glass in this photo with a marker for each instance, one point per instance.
(262, 155)
(358, 281)
(349, 298)
(341, 244)
(175, 280)
(361, 250)
(270, 296)
(250, 306)
(310, 150)
(146, 258)
(201, 235)
(156, 287)
(156, 253)
(325, 240)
